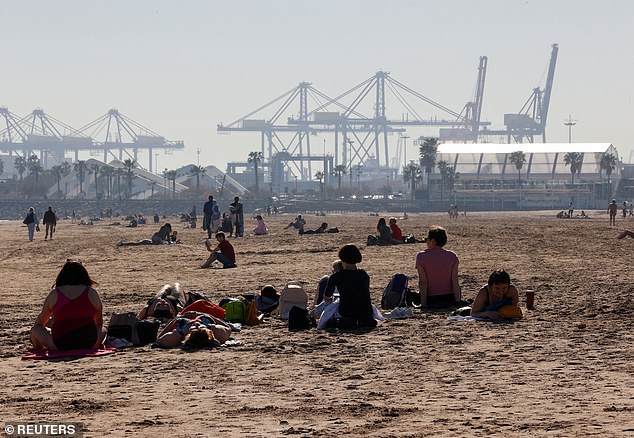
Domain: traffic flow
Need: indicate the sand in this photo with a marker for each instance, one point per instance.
(567, 369)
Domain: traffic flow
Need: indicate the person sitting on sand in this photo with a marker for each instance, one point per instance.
(385, 233)
(395, 231)
(165, 304)
(625, 234)
(493, 296)
(260, 229)
(353, 284)
(76, 312)
(296, 223)
(437, 271)
(163, 235)
(194, 330)
(223, 252)
(323, 282)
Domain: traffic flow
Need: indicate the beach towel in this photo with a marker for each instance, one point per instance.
(35, 354)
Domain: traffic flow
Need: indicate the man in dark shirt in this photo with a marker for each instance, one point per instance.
(223, 252)
(50, 221)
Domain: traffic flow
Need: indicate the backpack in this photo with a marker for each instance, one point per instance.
(292, 295)
(372, 240)
(127, 326)
(298, 319)
(236, 310)
(395, 292)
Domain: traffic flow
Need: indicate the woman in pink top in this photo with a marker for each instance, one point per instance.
(261, 228)
(76, 311)
(437, 271)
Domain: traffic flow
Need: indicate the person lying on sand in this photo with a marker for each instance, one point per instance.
(165, 304)
(625, 234)
(162, 236)
(76, 311)
(493, 299)
(194, 330)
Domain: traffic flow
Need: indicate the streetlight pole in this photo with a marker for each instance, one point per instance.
(198, 152)
(570, 123)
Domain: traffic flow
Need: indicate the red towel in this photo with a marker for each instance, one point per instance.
(35, 354)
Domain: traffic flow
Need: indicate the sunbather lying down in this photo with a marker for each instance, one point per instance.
(194, 330)
(625, 233)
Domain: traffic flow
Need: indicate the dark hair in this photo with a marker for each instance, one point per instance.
(200, 338)
(258, 217)
(73, 273)
(499, 276)
(324, 225)
(380, 224)
(268, 291)
(350, 254)
(439, 234)
(220, 233)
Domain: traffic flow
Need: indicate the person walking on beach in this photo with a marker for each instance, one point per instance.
(612, 210)
(571, 208)
(211, 216)
(31, 221)
(50, 221)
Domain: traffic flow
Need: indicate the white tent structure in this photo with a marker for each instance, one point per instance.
(544, 161)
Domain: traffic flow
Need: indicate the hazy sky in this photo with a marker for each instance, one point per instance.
(180, 68)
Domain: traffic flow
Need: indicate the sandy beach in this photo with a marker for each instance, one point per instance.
(566, 369)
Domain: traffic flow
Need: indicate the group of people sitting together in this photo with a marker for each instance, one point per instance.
(72, 315)
(389, 235)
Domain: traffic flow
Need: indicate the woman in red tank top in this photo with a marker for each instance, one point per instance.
(76, 312)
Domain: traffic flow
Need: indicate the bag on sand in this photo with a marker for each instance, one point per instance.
(236, 310)
(372, 240)
(292, 295)
(253, 317)
(127, 326)
(395, 293)
(298, 319)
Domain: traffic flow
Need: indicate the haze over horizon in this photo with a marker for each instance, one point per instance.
(182, 68)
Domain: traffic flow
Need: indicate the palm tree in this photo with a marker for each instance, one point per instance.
(129, 166)
(319, 176)
(255, 158)
(20, 165)
(607, 163)
(339, 171)
(443, 166)
(108, 172)
(171, 175)
(95, 168)
(34, 166)
(197, 171)
(427, 152)
(574, 160)
(412, 174)
(518, 158)
(80, 169)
